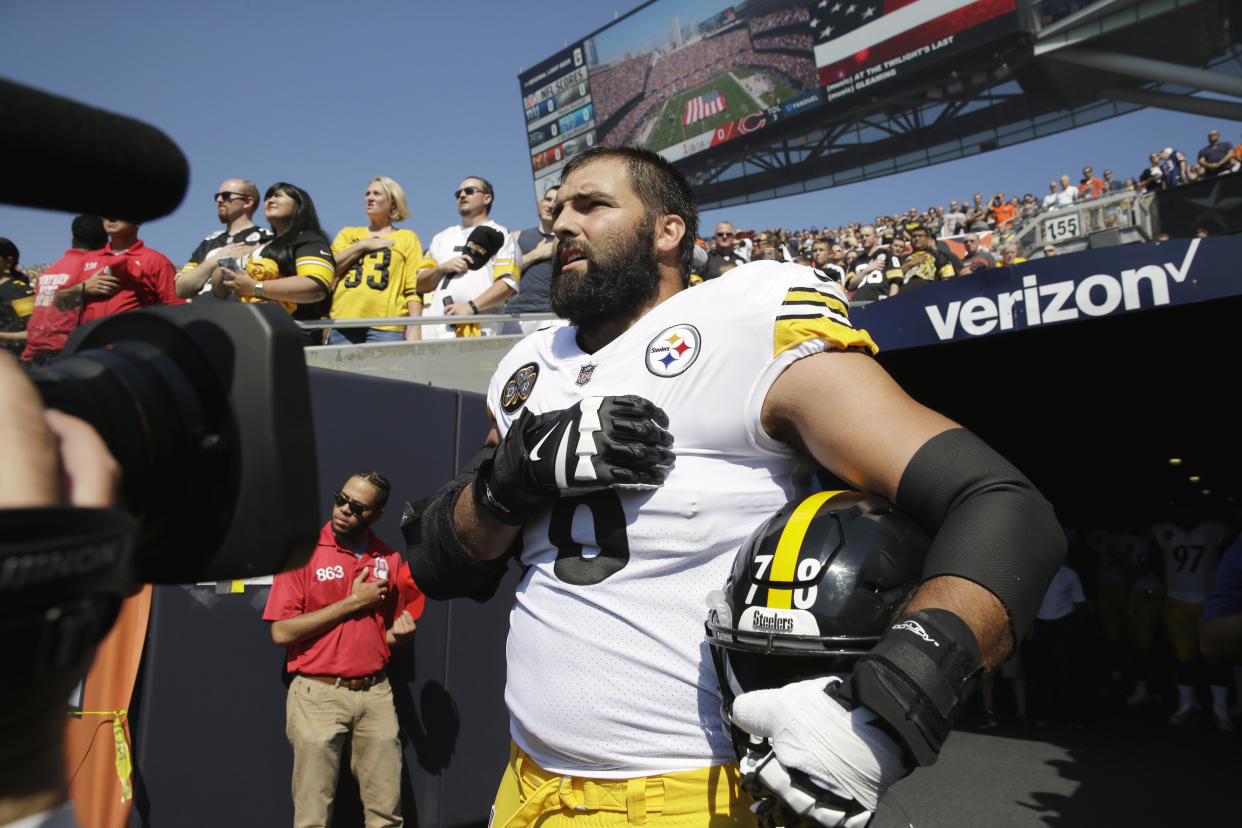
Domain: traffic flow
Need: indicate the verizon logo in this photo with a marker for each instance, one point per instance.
(1044, 304)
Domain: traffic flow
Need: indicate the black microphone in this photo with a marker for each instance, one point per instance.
(482, 244)
(65, 155)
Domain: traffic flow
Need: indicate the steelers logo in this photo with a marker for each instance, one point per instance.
(518, 387)
(673, 351)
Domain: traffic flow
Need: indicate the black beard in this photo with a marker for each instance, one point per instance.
(619, 279)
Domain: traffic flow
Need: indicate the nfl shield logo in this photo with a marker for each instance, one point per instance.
(584, 374)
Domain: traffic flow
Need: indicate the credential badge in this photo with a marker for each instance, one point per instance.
(518, 387)
(673, 351)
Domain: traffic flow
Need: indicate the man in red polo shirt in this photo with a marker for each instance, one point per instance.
(338, 616)
(140, 277)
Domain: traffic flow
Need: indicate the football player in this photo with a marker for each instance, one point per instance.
(1191, 550)
(632, 454)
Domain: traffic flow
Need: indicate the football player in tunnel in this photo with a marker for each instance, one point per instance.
(633, 453)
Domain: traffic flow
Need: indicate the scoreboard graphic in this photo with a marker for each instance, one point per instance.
(682, 77)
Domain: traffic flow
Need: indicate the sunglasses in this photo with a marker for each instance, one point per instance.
(225, 195)
(724, 235)
(354, 507)
(467, 191)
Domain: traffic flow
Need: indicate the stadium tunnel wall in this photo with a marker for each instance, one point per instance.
(208, 717)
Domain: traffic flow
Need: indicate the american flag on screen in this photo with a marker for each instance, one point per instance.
(703, 106)
(852, 35)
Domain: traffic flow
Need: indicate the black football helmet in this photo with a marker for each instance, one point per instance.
(812, 589)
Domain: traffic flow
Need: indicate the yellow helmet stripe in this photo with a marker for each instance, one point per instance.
(785, 562)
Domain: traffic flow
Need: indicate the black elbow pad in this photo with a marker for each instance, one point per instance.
(988, 523)
(438, 563)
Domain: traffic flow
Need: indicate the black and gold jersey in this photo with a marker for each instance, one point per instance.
(380, 284)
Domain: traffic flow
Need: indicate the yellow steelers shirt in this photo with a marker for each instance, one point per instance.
(381, 283)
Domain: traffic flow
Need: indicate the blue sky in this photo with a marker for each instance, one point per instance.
(327, 96)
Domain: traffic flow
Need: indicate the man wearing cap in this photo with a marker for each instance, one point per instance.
(339, 616)
(16, 300)
(452, 281)
(236, 202)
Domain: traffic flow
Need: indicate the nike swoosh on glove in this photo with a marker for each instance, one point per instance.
(598, 443)
(837, 748)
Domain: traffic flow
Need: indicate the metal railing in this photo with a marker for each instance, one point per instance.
(409, 321)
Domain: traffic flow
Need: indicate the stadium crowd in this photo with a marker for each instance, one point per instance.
(110, 270)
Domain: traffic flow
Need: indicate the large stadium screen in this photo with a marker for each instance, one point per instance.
(683, 76)
(863, 45)
(674, 76)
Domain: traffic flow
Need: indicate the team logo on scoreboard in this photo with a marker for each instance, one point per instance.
(673, 351)
(518, 387)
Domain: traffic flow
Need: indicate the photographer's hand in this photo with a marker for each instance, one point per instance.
(53, 458)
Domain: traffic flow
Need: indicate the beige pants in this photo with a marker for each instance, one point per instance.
(319, 718)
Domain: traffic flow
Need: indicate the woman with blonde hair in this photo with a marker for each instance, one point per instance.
(377, 269)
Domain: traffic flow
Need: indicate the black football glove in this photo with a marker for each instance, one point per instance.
(598, 443)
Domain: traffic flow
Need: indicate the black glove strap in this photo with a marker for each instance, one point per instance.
(916, 678)
(511, 504)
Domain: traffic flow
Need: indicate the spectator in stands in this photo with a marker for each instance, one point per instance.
(124, 275)
(1028, 207)
(1173, 166)
(977, 215)
(377, 269)
(877, 273)
(49, 326)
(1152, 178)
(828, 257)
(934, 220)
(1090, 186)
(1068, 194)
(926, 262)
(16, 301)
(1054, 191)
(1050, 250)
(295, 268)
(721, 252)
(977, 257)
(536, 245)
(454, 284)
(1011, 254)
(954, 221)
(1111, 183)
(1001, 212)
(9, 258)
(1215, 158)
(235, 205)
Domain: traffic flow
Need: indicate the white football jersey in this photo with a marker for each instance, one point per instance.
(1190, 557)
(608, 671)
(450, 243)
